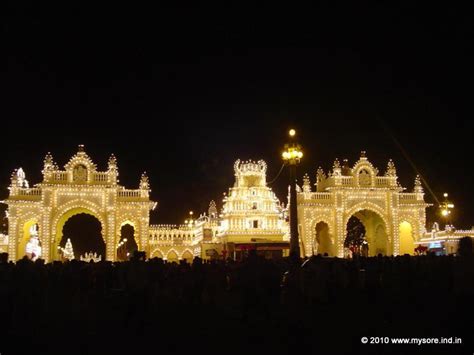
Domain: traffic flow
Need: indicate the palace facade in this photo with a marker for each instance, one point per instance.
(252, 217)
(393, 219)
(64, 193)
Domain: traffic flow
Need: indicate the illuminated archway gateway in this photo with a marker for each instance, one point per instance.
(79, 188)
(394, 220)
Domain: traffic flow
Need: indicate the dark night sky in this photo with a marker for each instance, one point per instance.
(182, 93)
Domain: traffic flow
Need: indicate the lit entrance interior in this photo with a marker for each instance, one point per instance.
(366, 233)
(85, 232)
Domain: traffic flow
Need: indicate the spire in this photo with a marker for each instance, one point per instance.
(48, 165)
(112, 169)
(391, 170)
(306, 184)
(212, 209)
(80, 148)
(363, 154)
(48, 160)
(144, 182)
(112, 162)
(336, 168)
(418, 188)
(320, 175)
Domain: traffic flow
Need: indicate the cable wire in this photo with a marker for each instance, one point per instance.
(277, 176)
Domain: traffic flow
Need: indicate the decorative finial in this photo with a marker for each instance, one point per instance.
(306, 184)
(320, 175)
(363, 154)
(80, 148)
(391, 170)
(212, 209)
(336, 168)
(48, 160)
(112, 162)
(418, 188)
(144, 182)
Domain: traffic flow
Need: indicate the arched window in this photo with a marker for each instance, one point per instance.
(364, 178)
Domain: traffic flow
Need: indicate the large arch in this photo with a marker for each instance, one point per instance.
(157, 253)
(375, 224)
(85, 233)
(61, 220)
(407, 240)
(187, 255)
(78, 188)
(172, 256)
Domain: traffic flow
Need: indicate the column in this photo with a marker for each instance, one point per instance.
(12, 237)
(110, 235)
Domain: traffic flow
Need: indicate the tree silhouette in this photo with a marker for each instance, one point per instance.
(355, 234)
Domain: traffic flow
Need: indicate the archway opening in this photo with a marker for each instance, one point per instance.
(85, 232)
(188, 256)
(172, 257)
(367, 230)
(355, 237)
(407, 243)
(157, 254)
(323, 242)
(127, 243)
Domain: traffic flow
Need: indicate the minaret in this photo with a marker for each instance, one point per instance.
(213, 210)
(112, 169)
(144, 185)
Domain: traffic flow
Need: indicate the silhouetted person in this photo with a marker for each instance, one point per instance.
(465, 247)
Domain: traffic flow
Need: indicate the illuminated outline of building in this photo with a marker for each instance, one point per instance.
(79, 188)
(388, 213)
(394, 220)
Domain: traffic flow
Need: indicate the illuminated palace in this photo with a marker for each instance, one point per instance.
(251, 217)
(393, 220)
(79, 188)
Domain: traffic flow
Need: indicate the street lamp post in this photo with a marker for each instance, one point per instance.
(446, 208)
(292, 156)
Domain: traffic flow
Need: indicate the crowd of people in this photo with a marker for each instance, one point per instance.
(226, 306)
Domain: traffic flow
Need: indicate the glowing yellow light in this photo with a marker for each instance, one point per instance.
(292, 132)
(445, 212)
(445, 194)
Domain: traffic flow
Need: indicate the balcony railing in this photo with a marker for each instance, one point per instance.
(29, 192)
(408, 197)
(100, 177)
(60, 176)
(129, 193)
